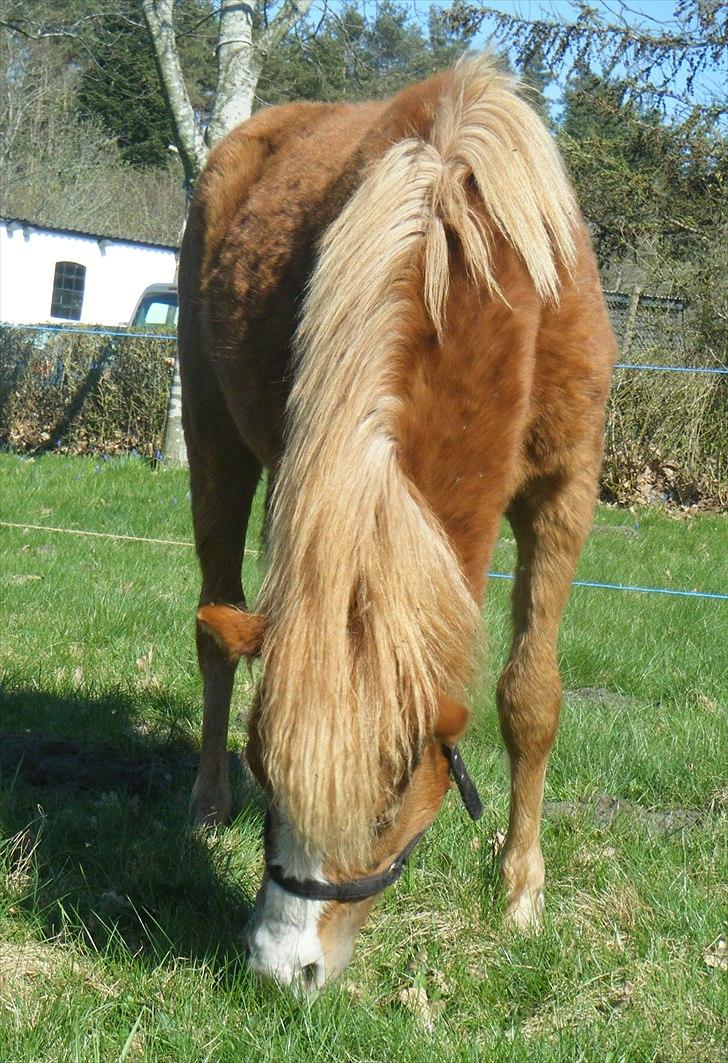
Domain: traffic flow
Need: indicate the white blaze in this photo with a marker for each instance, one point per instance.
(284, 942)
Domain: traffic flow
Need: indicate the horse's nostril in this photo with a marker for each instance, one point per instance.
(311, 976)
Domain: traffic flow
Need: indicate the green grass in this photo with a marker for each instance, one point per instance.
(121, 936)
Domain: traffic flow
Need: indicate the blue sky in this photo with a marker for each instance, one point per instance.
(645, 11)
(661, 10)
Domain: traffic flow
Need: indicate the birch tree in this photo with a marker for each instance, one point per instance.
(247, 33)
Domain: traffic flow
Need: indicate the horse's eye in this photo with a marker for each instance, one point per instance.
(383, 823)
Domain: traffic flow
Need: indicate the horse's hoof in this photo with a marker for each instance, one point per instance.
(524, 912)
(209, 819)
(209, 809)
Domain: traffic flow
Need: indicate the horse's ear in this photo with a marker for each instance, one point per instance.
(452, 719)
(239, 634)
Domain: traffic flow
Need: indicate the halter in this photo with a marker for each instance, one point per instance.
(359, 889)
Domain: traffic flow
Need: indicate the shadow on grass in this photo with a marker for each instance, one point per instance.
(97, 822)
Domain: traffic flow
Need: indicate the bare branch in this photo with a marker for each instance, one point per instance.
(291, 12)
(34, 31)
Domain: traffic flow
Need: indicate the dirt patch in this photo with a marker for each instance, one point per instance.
(33, 760)
(627, 531)
(38, 761)
(601, 696)
(605, 810)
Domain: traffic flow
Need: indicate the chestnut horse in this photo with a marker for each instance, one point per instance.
(394, 308)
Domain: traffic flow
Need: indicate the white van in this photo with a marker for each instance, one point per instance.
(158, 305)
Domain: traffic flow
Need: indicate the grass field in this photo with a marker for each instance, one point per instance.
(121, 936)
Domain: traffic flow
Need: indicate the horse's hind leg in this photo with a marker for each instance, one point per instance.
(550, 517)
(223, 474)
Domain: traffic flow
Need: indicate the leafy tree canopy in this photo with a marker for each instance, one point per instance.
(108, 52)
(347, 55)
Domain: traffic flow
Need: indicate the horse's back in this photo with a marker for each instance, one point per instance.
(270, 190)
(282, 176)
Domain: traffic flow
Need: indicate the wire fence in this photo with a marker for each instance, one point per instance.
(99, 390)
(171, 338)
(115, 536)
(118, 380)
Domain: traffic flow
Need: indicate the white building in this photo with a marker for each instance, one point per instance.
(54, 275)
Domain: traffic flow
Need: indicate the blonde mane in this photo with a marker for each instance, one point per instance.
(370, 616)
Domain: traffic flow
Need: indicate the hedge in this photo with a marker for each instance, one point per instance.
(79, 392)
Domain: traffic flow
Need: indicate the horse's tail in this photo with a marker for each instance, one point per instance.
(369, 612)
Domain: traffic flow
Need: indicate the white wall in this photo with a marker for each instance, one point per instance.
(117, 273)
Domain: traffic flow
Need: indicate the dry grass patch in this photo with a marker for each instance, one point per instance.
(19, 963)
(28, 968)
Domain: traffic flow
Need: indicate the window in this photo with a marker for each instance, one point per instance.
(69, 282)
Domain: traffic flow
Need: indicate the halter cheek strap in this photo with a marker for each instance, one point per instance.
(466, 786)
(359, 889)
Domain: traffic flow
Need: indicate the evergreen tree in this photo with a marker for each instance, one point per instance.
(638, 176)
(534, 73)
(351, 57)
(119, 85)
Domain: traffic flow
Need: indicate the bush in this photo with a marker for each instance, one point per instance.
(666, 438)
(80, 392)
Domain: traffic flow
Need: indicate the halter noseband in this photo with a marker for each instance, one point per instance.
(359, 889)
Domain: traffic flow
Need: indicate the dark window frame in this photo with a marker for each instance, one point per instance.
(69, 286)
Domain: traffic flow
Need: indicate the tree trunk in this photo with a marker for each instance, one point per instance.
(174, 451)
(192, 148)
(240, 59)
(238, 69)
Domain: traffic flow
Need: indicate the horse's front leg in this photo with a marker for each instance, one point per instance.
(223, 476)
(551, 517)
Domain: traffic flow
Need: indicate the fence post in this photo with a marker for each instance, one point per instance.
(631, 323)
(175, 451)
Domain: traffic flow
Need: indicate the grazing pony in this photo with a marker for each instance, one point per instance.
(394, 308)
